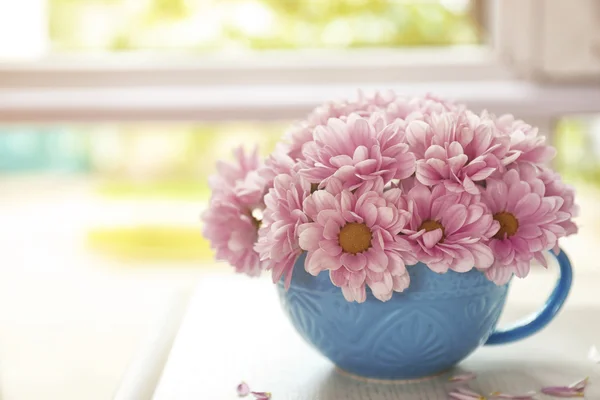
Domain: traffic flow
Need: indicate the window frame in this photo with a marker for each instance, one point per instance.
(281, 85)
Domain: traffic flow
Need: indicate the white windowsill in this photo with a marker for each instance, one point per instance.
(275, 102)
(418, 64)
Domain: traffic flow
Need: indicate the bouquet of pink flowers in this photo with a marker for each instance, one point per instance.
(369, 187)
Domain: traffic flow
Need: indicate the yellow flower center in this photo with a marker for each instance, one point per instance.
(431, 225)
(256, 218)
(355, 238)
(508, 225)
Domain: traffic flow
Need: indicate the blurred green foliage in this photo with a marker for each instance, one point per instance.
(154, 243)
(578, 145)
(225, 25)
(170, 161)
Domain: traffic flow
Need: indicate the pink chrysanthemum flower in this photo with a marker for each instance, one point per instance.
(229, 174)
(357, 150)
(525, 140)
(233, 216)
(302, 132)
(449, 229)
(457, 149)
(355, 237)
(554, 186)
(529, 224)
(278, 236)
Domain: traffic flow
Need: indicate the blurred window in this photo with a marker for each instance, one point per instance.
(201, 26)
(135, 191)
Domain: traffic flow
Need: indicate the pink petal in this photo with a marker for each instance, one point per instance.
(369, 212)
(406, 165)
(432, 238)
(500, 275)
(323, 200)
(360, 154)
(439, 166)
(482, 255)
(346, 200)
(497, 194)
(243, 389)
(580, 384)
(470, 186)
(377, 260)
(529, 231)
(357, 279)
(499, 395)
(331, 230)
(517, 192)
(435, 151)
(310, 234)
(324, 215)
(426, 174)
(261, 395)
(341, 160)
(317, 261)
(464, 262)
(351, 294)
(339, 277)
(385, 216)
(562, 392)
(482, 174)
(541, 259)
(527, 205)
(455, 149)
(400, 282)
(453, 218)
(354, 262)
(366, 167)
(331, 247)
(456, 163)
(463, 377)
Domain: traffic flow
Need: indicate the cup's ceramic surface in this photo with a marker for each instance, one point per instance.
(425, 330)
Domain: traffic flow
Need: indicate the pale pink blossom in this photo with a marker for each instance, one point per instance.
(232, 232)
(354, 236)
(449, 230)
(528, 224)
(232, 218)
(278, 236)
(554, 186)
(457, 149)
(357, 150)
(569, 210)
(525, 140)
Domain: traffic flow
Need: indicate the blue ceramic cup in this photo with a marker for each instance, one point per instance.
(427, 329)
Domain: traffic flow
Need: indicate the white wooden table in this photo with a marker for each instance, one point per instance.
(235, 330)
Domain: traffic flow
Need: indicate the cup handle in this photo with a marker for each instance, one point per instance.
(539, 320)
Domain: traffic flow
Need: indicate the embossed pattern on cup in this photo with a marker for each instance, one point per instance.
(434, 324)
